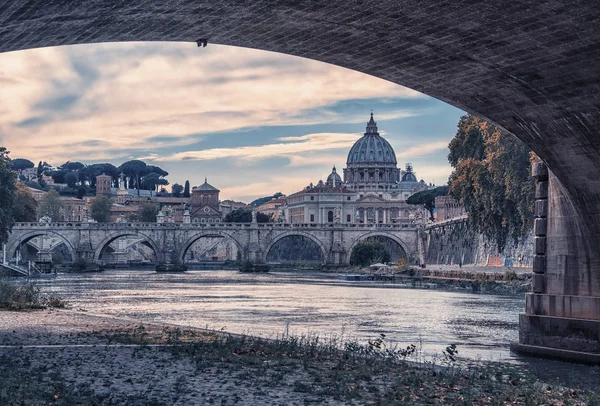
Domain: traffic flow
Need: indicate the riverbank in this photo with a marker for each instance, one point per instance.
(66, 357)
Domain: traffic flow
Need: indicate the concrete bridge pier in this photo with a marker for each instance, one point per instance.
(562, 314)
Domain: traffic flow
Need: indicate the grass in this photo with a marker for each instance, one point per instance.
(352, 373)
(368, 374)
(26, 297)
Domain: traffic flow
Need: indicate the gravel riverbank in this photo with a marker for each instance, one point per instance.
(71, 357)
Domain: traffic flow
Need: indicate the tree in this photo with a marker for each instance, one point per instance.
(51, 205)
(492, 180)
(7, 189)
(265, 199)
(81, 191)
(133, 170)
(100, 209)
(25, 207)
(148, 212)
(43, 168)
(367, 252)
(245, 216)
(426, 198)
(176, 189)
(71, 179)
(186, 190)
(72, 166)
(20, 164)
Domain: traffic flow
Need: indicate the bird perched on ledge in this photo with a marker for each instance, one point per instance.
(202, 41)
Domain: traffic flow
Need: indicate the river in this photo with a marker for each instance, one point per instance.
(268, 305)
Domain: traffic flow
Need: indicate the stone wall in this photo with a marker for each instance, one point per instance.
(452, 242)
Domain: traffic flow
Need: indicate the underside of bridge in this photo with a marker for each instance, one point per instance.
(529, 66)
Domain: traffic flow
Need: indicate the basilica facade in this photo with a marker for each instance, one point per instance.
(373, 190)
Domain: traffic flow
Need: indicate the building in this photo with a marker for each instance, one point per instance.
(205, 204)
(273, 208)
(227, 206)
(103, 185)
(321, 204)
(374, 189)
(448, 208)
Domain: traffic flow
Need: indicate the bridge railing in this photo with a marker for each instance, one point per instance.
(125, 226)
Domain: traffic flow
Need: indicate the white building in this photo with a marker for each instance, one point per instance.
(373, 190)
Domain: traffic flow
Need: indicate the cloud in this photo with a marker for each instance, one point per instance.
(287, 146)
(131, 94)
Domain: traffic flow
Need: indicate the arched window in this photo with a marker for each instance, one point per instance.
(330, 216)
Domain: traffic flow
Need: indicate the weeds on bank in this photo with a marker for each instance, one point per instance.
(372, 373)
(26, 296)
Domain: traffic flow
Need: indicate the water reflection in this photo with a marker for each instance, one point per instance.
(483, 326)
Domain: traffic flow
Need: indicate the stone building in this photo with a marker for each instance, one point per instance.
(321, 204)
(273, 208)
(448, 208)
(103, 185)
(374, 189)
(205, 204)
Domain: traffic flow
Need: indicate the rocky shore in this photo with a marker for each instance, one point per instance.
(71, 357)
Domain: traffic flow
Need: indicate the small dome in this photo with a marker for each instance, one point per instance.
(409, 175)
(334, 178)
(371, 148)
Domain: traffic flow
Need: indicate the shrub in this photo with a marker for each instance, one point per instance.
(15, 297)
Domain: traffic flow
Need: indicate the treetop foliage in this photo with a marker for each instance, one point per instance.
(7, 189)
(19, 164)
(245, 216)
(492, 179)
(263, 200)
(366, 253)
(426, 198)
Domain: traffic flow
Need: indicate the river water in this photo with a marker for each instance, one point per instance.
(268, 305)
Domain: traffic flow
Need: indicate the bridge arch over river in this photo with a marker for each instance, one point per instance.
(145, 239)
(14, 245)
(529, 66)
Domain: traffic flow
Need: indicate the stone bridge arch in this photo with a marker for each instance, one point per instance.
(21, 239)
(195, 237)
(103, 245)
(308, 235)
(409, 252)
(534, 74)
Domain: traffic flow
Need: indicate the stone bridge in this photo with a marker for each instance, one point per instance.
(171, 241)
(531, 67)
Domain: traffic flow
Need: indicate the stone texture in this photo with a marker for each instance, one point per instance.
(534, 72)
(253, 240)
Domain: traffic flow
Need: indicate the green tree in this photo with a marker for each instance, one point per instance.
(133, 169)
(186, 190)
(25, 207)
(176, 189)
(81, 191)
(51, 206)
(7, 188)
(366, 253)
(265, 199)
(71, 178)
(492, 179)
(148, 212)
(20, 164)
(100, 209)
(43, 168)
(245, 216)
(426, 198)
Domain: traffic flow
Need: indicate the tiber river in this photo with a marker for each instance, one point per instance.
(268, 305)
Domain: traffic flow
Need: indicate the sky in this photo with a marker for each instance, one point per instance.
(253, 122)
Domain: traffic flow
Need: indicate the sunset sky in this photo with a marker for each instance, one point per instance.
(253, 122)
